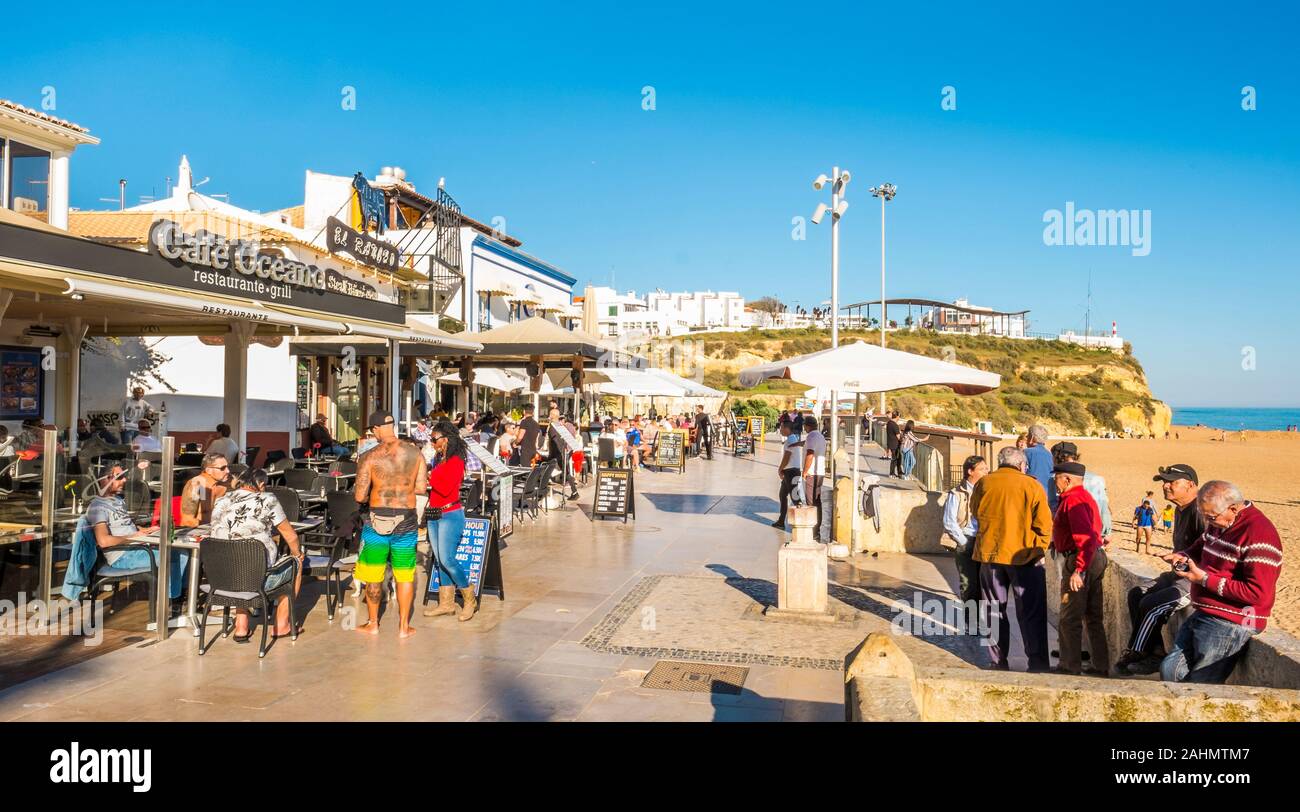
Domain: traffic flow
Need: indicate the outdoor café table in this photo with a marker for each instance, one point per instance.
(187, 538)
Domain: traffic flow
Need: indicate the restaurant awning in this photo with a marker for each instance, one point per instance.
(862, 367)
(417, 340)
(535, 336)
(637, 382)
(693, 389)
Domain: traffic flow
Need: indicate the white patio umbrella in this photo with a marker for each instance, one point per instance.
(862, 367)
(502, 380)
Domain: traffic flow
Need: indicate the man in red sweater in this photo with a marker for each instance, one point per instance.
(1233, 569)
(1076, 538)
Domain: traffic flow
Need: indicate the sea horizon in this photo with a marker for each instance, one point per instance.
(1234, 418)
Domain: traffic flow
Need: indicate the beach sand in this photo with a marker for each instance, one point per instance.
(1265, 466)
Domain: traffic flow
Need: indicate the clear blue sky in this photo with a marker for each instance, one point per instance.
(533, 112)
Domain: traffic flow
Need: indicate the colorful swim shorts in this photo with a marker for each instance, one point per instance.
(377, 550)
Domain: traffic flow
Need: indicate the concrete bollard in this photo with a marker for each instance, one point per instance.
(801, 567)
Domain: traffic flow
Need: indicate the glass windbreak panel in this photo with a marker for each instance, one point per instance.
(349, 406)
(22, 467)
(29, 180)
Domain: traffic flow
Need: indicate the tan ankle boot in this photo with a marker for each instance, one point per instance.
(470, 603)
(446, 602)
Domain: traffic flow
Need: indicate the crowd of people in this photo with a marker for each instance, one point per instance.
(1036, 503)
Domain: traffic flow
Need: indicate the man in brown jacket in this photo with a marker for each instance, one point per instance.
(1015, 528)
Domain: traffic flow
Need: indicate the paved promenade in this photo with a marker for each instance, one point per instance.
(589, 610)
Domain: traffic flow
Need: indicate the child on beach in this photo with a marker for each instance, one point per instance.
(1144, 519)
(1167, 516)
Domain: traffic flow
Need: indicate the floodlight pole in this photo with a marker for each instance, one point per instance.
(886, 192)
(838, 181)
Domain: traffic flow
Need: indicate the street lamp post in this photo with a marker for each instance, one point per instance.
(885, 192)
(838, 180)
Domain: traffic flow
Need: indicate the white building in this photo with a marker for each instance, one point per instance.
(626, 314)
(965, 318)
(702, 310)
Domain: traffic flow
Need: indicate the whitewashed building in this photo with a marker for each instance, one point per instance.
(701, 310)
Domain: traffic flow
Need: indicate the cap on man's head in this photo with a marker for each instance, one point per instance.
(1072, 468)
(1065, 447)
(379, 417)
(1173, 473)
(144, 424)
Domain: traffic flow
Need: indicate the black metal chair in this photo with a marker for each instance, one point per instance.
(299, 479)
(194, 458)
(250, 455)
(288, 498)
(236, 571)
(340, 535)
(275, 456)
(343, 467)
(605, 453)
(527, 494)
(106, 575)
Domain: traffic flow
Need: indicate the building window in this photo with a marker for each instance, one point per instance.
(28, 179)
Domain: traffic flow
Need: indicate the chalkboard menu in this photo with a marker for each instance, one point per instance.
(490, 461)
(613, 493)
(744, 444)
(477, 552)
(671, 450)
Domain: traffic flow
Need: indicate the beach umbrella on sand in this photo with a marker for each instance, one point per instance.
(862, 367)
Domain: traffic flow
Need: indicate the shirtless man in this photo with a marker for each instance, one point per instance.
(202, 492)
(389, 476)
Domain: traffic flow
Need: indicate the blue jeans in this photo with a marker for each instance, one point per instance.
(444, 537)
(142, 559)
(1206, 650)
(909, 462)
(335, 450)
(128, 435)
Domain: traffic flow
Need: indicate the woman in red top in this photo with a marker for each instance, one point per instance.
(446, 522)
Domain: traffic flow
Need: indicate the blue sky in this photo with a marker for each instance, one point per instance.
(534, 113)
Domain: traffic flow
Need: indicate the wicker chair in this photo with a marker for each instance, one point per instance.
(327, 547)
(236, 571)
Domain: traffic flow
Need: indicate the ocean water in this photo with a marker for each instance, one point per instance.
(1236, 419)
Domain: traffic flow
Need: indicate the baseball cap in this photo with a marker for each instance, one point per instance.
(379, 417)
(1171, 473)
(1074, 468)
(1065, 447)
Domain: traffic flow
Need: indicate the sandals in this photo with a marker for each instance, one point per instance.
(243, 639)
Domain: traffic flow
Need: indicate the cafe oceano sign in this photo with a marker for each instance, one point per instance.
(236, 265)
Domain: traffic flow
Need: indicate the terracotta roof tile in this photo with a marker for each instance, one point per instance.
(43, 116)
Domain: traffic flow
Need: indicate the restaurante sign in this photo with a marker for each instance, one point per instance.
(213, 251)
(362, 247)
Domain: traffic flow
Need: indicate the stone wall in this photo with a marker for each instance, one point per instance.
(911, 520)
(1272, 659)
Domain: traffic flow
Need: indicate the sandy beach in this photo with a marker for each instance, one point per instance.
(1264, 465)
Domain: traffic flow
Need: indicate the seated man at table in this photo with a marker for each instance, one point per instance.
(144, 441)
(319, 440)
(108, 518)
(201, 492)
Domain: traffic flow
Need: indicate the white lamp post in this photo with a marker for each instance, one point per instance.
(838, 180)
(885, 192)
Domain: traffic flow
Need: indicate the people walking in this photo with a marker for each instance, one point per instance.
(704, 432)
(1150, 607)
(445, 521)
(961, 526)
(1076, 538)
(389, 476)
(907, 441)
(1014, 528)
(892, 435)
(1144, 522)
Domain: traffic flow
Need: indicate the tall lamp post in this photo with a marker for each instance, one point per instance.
(838, 180)
(885, 192)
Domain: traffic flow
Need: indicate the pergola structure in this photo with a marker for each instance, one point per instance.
(863, 311)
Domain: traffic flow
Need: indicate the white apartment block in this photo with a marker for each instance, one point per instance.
(701, 310)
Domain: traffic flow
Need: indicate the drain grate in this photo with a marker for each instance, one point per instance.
(702, 677)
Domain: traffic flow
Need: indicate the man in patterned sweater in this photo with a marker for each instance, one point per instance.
(1233, 569)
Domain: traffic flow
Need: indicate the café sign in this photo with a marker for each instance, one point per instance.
(361, 247)
(239, 257)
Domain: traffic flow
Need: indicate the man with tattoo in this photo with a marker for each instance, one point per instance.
(201, 492)
(389, 476)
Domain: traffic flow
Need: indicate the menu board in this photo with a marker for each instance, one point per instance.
(744, 444)
(489, 460)
(613, 493)
(567, 436)
(670, 452)
(477, 553)
(22, 384)
(756, 426)
(504, 491)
